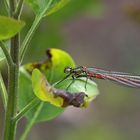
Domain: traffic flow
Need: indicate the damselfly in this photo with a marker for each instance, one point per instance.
(91, 73)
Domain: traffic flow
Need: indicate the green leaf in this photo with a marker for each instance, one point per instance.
(26, 94)
(9, 27)
(39, 6)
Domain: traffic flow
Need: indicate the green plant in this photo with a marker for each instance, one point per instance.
(25, 95)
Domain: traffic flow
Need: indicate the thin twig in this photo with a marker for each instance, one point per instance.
(31, 122)
(29, 106)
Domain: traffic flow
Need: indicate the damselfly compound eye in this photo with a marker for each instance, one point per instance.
(67, 70)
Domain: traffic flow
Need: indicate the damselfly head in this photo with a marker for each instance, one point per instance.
(67, 70)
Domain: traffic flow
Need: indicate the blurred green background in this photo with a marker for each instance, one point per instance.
(103, 34)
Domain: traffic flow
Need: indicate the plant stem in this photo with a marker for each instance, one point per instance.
(28, 107)
(13, 73)
(7, 55)
(31, 122)
(13, 78)
(3, 92)
(9, 132)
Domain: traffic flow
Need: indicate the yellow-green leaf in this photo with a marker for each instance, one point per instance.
(42, 90)
(53, 67)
